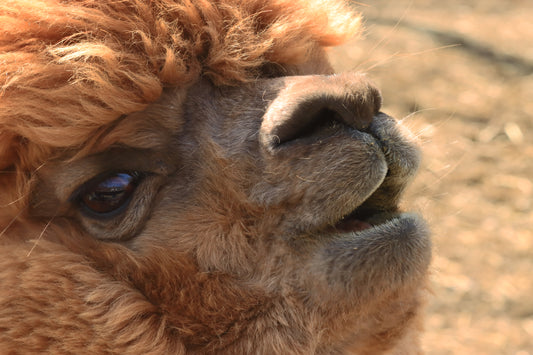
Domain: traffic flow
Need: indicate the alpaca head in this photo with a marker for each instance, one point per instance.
(205, 181)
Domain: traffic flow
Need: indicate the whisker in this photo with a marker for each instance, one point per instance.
(386, 38)
(414, 113)
(13, 202)
(10, 223)
(40, 236)
(417, 133)
(39, 167)
(401, 55)
(448, 169)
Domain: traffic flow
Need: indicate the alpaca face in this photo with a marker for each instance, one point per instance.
(255, 215)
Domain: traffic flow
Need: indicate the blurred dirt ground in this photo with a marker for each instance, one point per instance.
(460, 74)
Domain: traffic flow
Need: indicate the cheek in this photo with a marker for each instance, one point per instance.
(206, 219)
(237, 137)
(213, 241)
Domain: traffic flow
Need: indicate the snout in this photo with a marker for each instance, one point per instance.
(313, 107)
(338, 160)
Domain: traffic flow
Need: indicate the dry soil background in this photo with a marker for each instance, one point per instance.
(461, 74)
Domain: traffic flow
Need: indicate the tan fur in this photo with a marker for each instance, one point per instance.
(233, 240)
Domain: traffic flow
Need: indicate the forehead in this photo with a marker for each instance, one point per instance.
(152, 127)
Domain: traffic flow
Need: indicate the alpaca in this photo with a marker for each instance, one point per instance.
(191, 177)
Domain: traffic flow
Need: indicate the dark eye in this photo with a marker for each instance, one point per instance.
(104, 195)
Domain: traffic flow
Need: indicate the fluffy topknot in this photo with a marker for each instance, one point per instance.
(70, 67)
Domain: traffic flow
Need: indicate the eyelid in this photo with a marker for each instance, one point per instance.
(100, 177)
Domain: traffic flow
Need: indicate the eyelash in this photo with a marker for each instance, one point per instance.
(106, 196)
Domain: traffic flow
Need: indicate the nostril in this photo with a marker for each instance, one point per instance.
(309, 123)
(324, 120)
(319, 106)
(317, 117)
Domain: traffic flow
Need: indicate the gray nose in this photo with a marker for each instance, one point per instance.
(309, 105)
